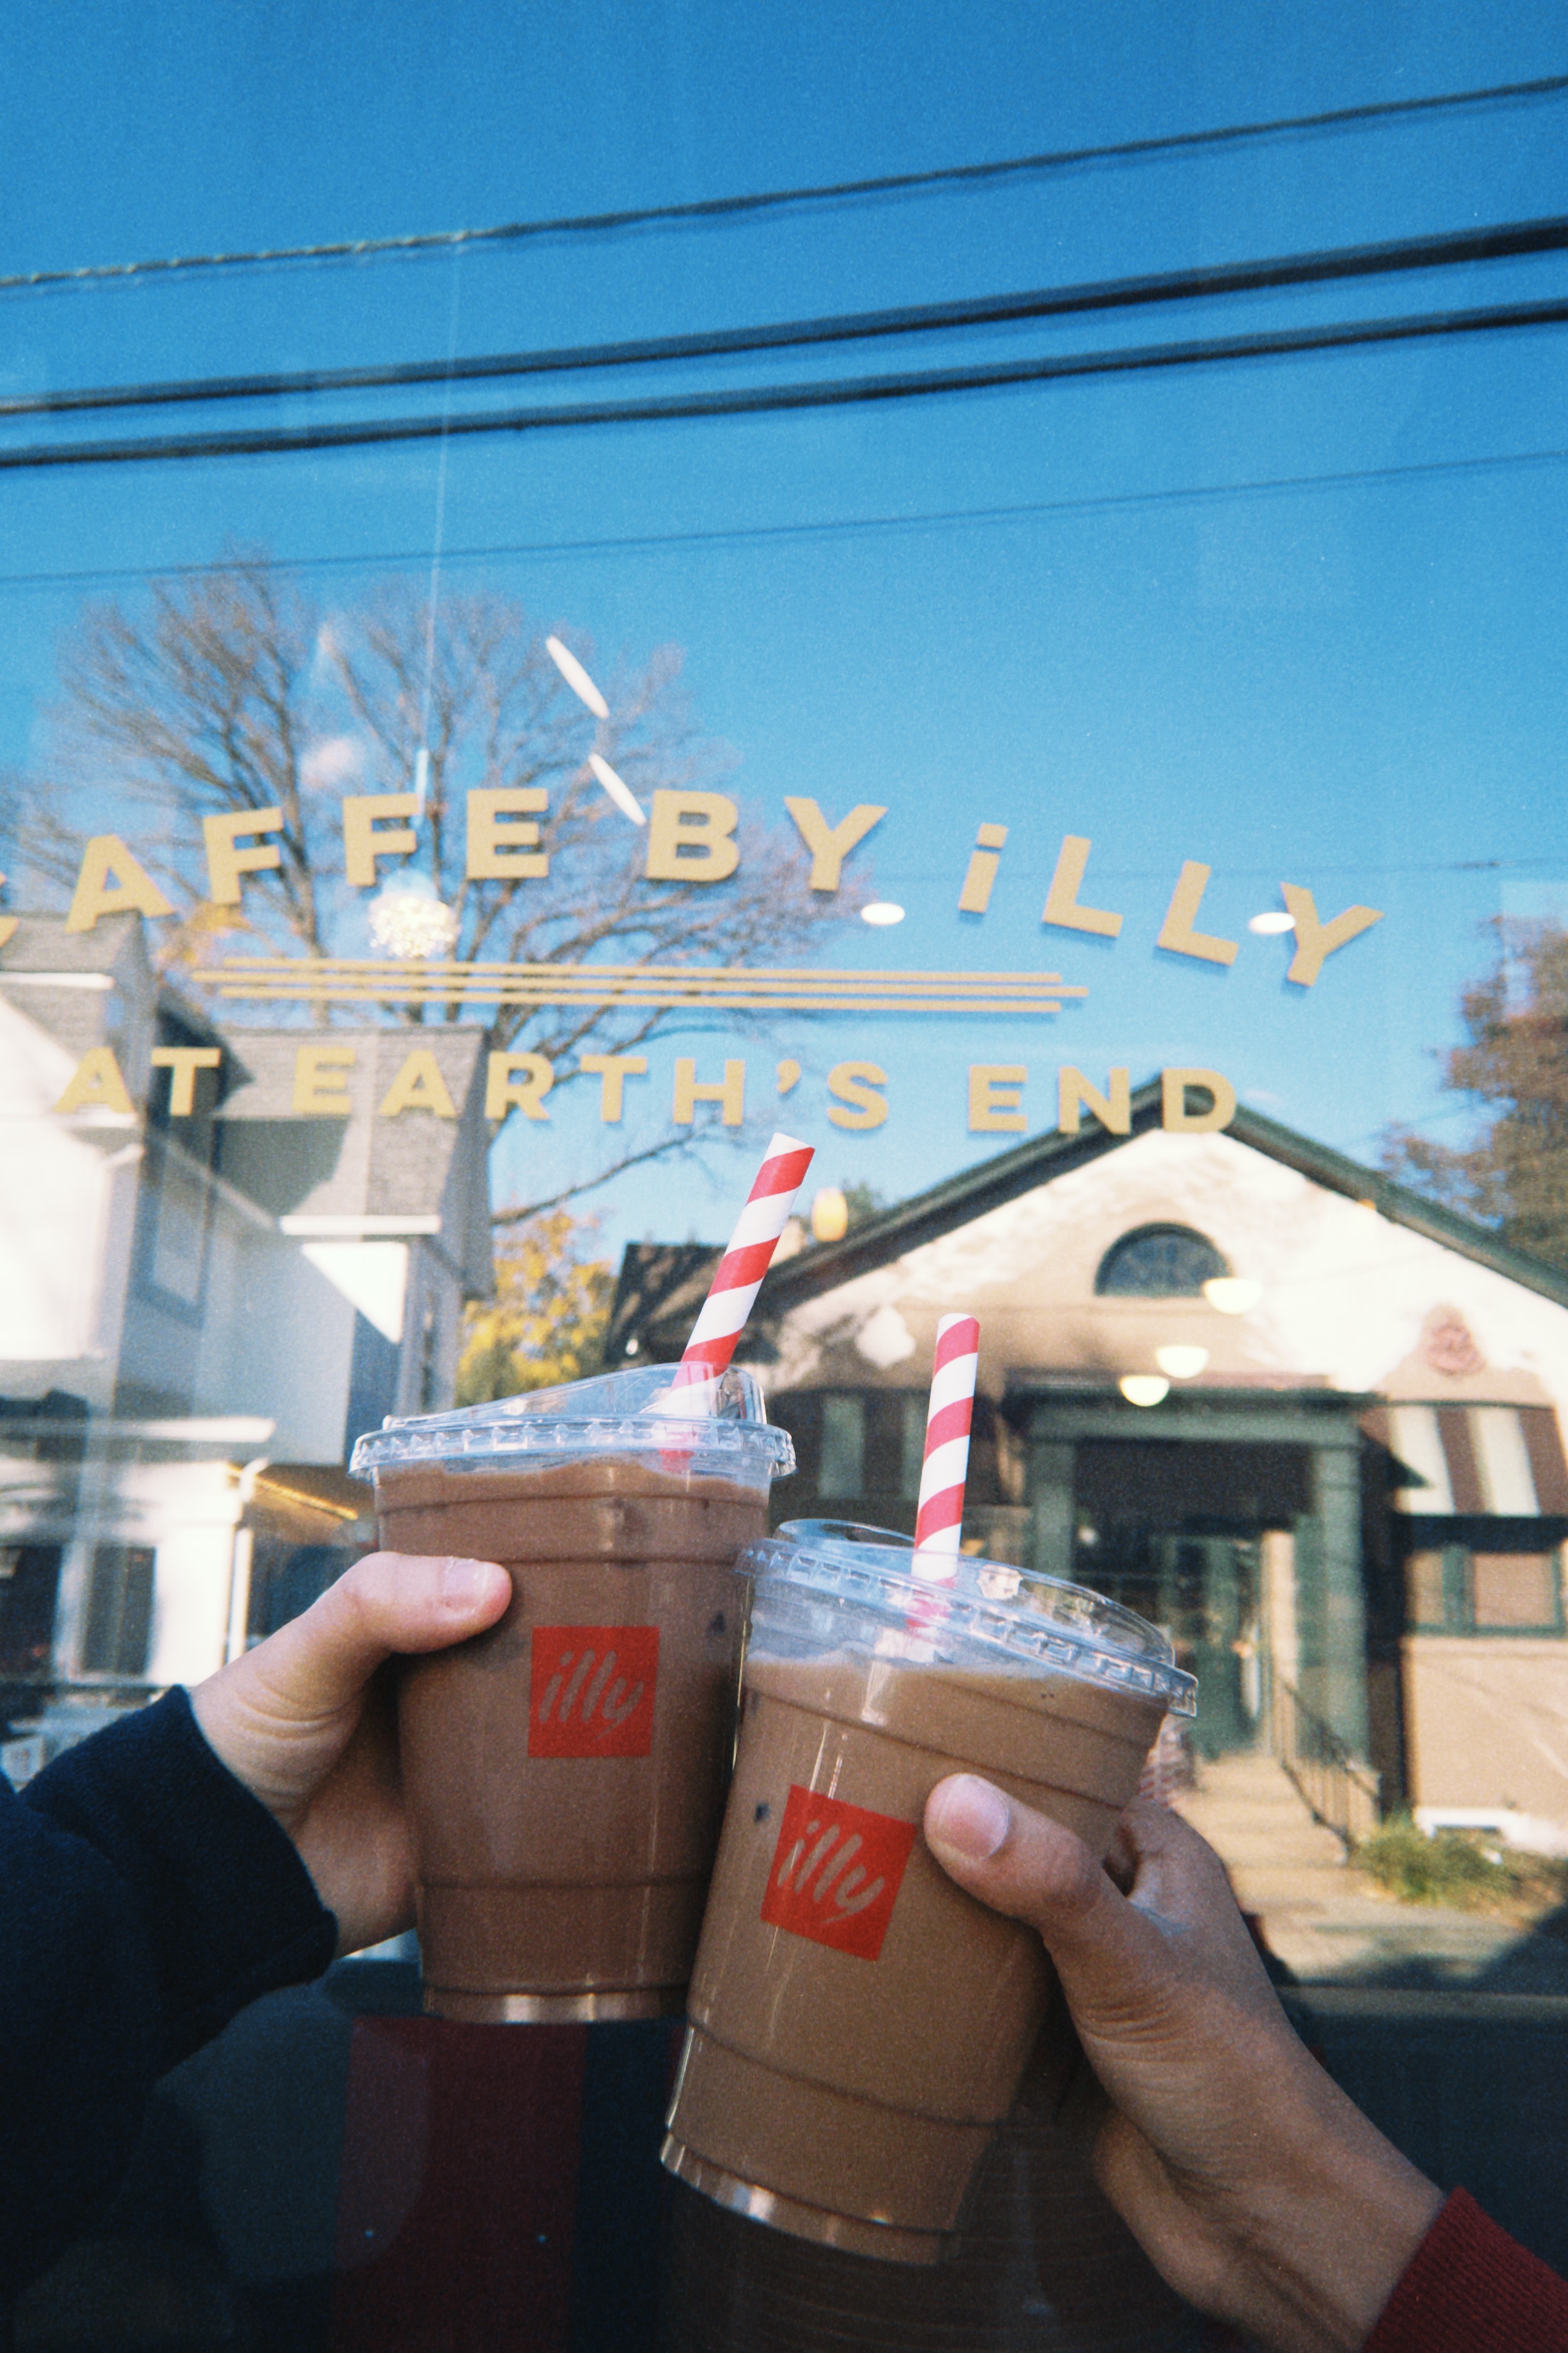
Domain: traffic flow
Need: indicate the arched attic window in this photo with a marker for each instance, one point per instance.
(1159, 1262)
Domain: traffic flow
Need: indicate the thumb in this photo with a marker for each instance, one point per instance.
(389, 1601)
(1111, 1959)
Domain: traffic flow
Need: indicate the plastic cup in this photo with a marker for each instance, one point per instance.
(564, 1772)
(858, 2025)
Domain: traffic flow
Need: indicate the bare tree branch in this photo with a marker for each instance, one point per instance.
(671, 1147)
(241, 692)
(1512, 1172)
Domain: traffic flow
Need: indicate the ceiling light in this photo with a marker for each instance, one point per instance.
(1183, 1363)
(881, 911)
(1273, 919)
(829, 1214)
(411, 923)
(1144, 1388)
(576, 678)
(620, 792)
(1233, 1294)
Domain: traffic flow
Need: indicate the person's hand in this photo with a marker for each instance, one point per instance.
(1260, 2192)
(308, 1726)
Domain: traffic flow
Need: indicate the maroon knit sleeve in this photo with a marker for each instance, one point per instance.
(1472, 2289)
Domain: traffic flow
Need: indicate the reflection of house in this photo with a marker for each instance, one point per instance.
(201, 1309)
(1351, 1514)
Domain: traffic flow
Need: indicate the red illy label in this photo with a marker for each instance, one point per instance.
(836, 1873)
(591, 1691)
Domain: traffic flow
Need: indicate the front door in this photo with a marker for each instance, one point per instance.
(1208, 1589)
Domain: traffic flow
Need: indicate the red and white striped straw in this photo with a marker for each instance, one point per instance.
(938, 1521)
(722, 1315)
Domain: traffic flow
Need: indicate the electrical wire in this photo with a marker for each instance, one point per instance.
(718, 208)
(1504, 241)
(920, 518)
(774, 400)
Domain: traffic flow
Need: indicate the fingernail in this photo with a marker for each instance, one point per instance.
(971, 1817)
(466, 1583)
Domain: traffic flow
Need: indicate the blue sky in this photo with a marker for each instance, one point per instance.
(1302, 619)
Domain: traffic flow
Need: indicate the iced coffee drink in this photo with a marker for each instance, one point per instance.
(859, 2024)
(564, 1771)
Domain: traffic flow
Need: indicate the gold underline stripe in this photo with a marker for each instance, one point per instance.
(458, 989)
(237, 968)
(1013, 983)
(653, 988)
(653, 1003)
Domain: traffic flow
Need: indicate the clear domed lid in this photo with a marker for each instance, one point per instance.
(978, 1611)
(710, 1425)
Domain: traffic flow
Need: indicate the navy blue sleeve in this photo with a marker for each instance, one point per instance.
(146, 1897)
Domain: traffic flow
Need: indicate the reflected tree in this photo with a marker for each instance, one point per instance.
(547, 1321)
(240, 691)
(1513, 1066)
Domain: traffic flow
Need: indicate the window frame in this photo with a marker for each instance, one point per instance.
(1459, 1596)
(1158, 1229)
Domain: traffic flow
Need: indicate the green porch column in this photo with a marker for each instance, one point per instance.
(1051, 1525)
(1330, 1593)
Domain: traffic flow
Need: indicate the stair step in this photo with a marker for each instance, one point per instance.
(1258, 1822)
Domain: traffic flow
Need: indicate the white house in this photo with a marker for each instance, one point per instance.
(217, 1266)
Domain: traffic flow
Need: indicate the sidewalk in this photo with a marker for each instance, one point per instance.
(1333, 1926)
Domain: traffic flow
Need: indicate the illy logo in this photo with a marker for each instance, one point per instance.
(591, 1690)
(836, 1873)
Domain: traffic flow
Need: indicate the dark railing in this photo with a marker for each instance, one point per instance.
(1344, 1796)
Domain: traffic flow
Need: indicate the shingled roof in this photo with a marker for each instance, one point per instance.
(361, 1165)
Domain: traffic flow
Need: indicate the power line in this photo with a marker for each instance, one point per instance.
(773, 399)
(715, 208)
(829, 527)
(1504, 241)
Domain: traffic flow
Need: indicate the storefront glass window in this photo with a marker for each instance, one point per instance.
(981, 587)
